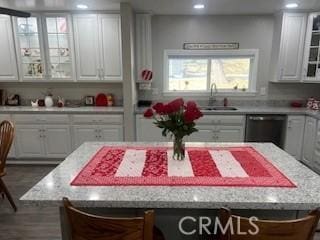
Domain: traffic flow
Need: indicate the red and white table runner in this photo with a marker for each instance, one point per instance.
(152, 166)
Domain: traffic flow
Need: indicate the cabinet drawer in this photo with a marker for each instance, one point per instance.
(41, 118)
(97, 119)
(222, 120)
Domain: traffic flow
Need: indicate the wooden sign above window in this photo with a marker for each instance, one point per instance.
(210, 46)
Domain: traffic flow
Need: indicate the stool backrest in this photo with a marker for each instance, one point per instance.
(6, 139)
(84, 226)
(298, 229)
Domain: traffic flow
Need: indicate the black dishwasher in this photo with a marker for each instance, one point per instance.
(266, 128)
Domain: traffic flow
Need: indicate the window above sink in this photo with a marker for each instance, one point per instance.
(191, 72)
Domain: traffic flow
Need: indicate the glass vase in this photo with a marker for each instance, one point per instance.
(178, 149)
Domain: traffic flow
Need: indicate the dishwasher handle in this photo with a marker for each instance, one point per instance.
(266, 118)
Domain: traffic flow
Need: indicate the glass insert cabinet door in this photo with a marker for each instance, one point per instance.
(58, 35)
(29, 47)
(312, 53)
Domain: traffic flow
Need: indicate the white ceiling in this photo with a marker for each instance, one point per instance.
(167, 6)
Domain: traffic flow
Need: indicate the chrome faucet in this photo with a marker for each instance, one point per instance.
(212, 98)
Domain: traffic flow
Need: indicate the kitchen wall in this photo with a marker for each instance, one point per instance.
(69, 91)
(170, 32)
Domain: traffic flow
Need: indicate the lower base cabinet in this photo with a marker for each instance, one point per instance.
(309, 141)
(29, 141)
(146, 131)
(90, 133)
(216, 128)
(294, 136)
(51, 141)
(43, 137)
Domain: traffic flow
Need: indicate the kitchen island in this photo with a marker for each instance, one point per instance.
(172, 202)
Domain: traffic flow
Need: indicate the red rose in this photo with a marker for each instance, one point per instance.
(148, 113)
(192, 112)
(159, 108)
(175, 105)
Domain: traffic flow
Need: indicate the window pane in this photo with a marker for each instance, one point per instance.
(62, 25)
(188, 74)
(32, 25)
(230, 73)
(51, 25)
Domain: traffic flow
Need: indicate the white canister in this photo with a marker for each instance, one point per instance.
(48, 101)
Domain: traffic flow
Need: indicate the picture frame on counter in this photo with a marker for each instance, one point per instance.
(211, 46)
(89, 100)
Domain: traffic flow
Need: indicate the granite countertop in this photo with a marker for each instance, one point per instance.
(256, 110)
(50, 190)
(65, 110)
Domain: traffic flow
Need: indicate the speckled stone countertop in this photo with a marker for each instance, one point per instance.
(50, 190)
(64, 110)
(241, 110)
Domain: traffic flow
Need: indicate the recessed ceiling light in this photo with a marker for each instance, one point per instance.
(82, 6)
(292, 5)
(198, 6)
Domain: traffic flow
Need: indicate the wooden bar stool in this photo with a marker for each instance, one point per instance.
(298, 229)
(84, 226)
(6, 139)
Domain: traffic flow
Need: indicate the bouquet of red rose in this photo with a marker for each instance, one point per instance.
(176, 118)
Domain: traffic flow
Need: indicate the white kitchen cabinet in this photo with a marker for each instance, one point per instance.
(110, 46)
(230, 134)
(288, 47)
(30, 48)
(111, 133)
(98, 47)
(8, 61)
(311, 66)
(97, 133)
(29, 141)
(57, 141)
(146, 131)
(58, 42)
(204, 134)
(316, 154)
(86, 47)
(309, 141)
(215, 128)
(84, 133)
(294, 136)
(143, 44)
(49, 141)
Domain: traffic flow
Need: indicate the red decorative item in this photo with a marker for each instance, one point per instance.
(296, 104)
(152, 166)
(146, 75)
(101, 100)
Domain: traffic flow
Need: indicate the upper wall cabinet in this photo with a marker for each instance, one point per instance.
(311, 68)
(44, 47)
(59, 47)
(288, 47)
(8, 64)
(98, 47)
(29, 47)
(143, 44)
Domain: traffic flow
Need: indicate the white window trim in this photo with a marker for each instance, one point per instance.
(254, 53)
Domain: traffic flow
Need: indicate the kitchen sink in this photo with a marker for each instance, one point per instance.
(221, 108)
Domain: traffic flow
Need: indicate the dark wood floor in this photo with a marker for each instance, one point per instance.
(29, 223)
